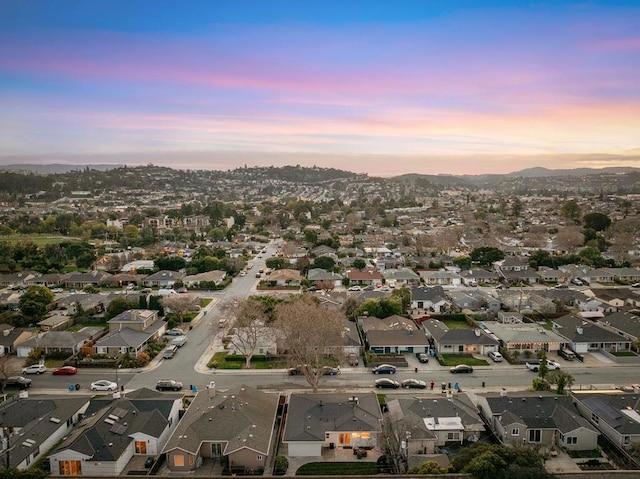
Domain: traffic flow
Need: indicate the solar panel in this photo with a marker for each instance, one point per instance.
(119, 412)
(118, 429)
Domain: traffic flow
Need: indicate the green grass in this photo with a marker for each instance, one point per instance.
(454, 324)
(222, 360)
(205, 301)
(338, 469)
(468, 359)
(623, 353)
(54, 363)
(37, 239)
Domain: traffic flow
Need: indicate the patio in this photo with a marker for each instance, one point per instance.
(328, 455)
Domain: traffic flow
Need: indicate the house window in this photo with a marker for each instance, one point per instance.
(259, 457)
(571, 440)
(535, 435)
(453, 436)
(70, 468)
(178, 460)
(191, 459)
(515, 431)
(216, 449)
(141, 447)
(365, 435)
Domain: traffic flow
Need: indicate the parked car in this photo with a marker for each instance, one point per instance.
(168, 385)
(635, 285)
(149, 462)
(104, 385)
(17, 382)
(174, 332)
(495, 356)
(330, 371)
(353, 360)
(169, 352)
(355, 288)
(386, 383)
(413, 384)
(384, 369)
(34, 369)
(65, 371)
(566, 354)
(422, 357)
(461, 368)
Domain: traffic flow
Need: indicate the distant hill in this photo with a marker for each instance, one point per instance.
(540, 172)
(56, 168)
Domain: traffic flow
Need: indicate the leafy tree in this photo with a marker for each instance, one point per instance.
(35, 301)
(571, 210)
(120, 305)
(404, 294)
(462, 262)
(487, 465)
(428, 467)
(278, 263)
(596, 221)
(561, 379)
(486, 255)
(359, 263)
(170, 263)
(324, 262)
(380, 308)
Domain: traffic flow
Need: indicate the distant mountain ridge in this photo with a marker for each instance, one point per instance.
(541, 172)
(56, 167)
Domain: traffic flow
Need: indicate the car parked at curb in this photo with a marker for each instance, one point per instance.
(413, 383)
(461, 368)
(35, 369)
(104, 385)
(17, 382)
(386, 383)
(384, 369)
(174, 332)
(65, 371)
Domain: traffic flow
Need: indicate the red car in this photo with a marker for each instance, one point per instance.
(65, 371)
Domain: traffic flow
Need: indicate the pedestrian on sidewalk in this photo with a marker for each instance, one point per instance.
(432, 385)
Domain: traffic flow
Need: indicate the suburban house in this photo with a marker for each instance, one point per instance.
(474, 277)
(195, 280)
(163, 279)
(55, 322)
(114, 430)
(10, 337)
(527, 338)
(539, 419)
(68, 342)
(318, 276)
(87, 302)
(367, 276)
(617, 415)
(459, 340)
(331, 421)
(432, 299)
(627, 325)
(427, 423)
(258, 339)
(550, 275)
(401, 277)
(618, 298)
(130, 331)
(461, 300)
(35, 425)
(16, 280)
(238, 424)
(394, 334)
(584, 336)
(81, 280)
(441, 278)
(348, 344)
(285, 277)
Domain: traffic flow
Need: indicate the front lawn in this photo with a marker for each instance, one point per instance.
(455, 324)
(622, 354)
(223, 360)
(338, 469)
(468, 359)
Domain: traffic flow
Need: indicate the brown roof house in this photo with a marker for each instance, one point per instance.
(285, 277)
(130, 331)
(394, 334)
(238, 424)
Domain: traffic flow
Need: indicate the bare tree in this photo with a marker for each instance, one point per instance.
(326, 285)
(308, 331)
(8, 368)
(570, 237)
(180, 304)
(248, 328)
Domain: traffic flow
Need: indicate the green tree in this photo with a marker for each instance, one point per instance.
(487, 465)
(571, 210)
(278, 263)
(380, 308)
(404, 295)
(462, 262)
(561, 379)
(359, 263)
(324, 262)
(428, 467)
(35, 301)
(170, 263)
(596, 221)
(486, 255)
(120, 305)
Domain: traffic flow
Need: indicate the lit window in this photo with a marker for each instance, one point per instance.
(70, 468)
(178, 460)
(365, 435)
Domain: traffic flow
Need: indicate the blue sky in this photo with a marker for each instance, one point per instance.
(378, 87)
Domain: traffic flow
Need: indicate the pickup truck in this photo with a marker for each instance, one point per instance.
(535, 365)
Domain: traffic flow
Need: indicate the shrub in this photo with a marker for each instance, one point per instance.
(281, 464)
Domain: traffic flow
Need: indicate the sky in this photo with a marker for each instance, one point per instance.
(377, 87)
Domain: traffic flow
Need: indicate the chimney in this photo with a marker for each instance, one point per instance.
(211, 389)
(579, 330)
(353, 399)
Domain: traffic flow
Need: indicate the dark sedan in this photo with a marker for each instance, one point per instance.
(386, 383)
(17, 382)
(384, 369)
(413, 384)
(461, 368)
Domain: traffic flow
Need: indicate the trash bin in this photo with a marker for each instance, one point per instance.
(77, 387)
(444, 387)
(416, 370)
(71, 387)
(122, 388)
